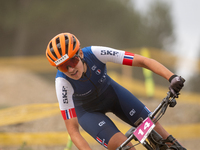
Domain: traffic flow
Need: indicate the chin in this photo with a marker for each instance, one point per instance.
(77, 77)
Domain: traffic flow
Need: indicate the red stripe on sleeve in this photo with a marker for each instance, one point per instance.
(63, 114)
(128, 53)
(72, 113)
(127, 62)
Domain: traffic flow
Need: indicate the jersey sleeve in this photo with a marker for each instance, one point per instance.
(106, 54)
(64, 92)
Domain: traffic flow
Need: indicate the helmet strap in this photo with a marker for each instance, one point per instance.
(83, 61)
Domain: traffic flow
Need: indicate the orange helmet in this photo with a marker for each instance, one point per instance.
(61, 48)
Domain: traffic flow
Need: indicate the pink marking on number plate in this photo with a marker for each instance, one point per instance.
(144, 129)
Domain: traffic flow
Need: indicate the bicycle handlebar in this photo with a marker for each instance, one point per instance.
(169, 100)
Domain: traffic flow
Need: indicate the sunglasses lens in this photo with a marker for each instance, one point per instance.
(70, 63)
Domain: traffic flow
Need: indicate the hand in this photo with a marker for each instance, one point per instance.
(176, 84)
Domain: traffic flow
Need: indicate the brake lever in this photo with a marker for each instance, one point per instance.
(171, 101)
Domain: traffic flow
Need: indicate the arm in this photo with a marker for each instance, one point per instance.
(105, 54)
(64, 91)
(73, 130)
(151, 64)
(176, 82)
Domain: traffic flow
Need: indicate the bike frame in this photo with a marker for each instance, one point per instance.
(154, 116)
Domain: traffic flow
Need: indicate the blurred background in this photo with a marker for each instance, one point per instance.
(165, 30)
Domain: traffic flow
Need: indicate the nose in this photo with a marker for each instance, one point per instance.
(70, 69)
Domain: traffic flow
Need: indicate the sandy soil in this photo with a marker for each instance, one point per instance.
(20, 87)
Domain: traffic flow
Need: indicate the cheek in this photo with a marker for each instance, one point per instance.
(79, 66)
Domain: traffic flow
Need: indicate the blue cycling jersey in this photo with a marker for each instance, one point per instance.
(95, 94)
(93, 83)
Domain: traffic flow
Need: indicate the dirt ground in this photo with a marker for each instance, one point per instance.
(20, 87)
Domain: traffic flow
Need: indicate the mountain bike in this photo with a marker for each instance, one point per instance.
(146, 135)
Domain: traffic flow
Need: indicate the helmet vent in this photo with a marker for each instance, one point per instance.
(50, 57)
(59, 46)
(66, 44)
(52, 50)
(74, 43)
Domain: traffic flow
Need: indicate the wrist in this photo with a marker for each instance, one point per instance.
(172, 77)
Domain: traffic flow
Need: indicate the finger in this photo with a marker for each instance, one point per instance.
(181, 84)
(182, 79)
(176, 89)
(173, 92)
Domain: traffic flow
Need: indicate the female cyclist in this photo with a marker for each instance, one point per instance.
(85, 92)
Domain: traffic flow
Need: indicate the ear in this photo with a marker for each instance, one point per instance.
(81, 53)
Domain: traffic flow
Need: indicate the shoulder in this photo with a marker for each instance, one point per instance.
(60, 74)
(92, 51)
(62, 79)
(63, 86)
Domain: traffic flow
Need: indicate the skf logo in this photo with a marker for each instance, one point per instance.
(64, 95)
(109, 52)
(101, 123)
(98, 71)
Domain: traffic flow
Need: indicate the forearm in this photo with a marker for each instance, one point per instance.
(79, 141)
(158, 68)
(73, 130)
(152, 65)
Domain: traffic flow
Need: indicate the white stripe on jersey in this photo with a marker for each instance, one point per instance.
(64, 92)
